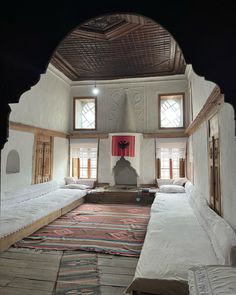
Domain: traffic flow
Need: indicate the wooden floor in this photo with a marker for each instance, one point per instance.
(28, 272)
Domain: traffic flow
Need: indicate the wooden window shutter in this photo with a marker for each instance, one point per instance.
(76, 167)
(158, 168)
(181, 167)
(171, 169)
(43, 158)
(89, 168)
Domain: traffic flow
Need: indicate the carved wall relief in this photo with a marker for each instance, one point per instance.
(136, 95)
(116, 100)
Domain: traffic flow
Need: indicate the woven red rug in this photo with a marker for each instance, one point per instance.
(110, 228)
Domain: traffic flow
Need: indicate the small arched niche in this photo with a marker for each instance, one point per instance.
(13, 162)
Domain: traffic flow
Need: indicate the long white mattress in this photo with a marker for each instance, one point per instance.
(20, 212)
(174, 242)
(176, 202)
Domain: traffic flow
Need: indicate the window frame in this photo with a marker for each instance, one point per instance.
(88, 166)
(159, 110)
(74, 112)
(171, 167)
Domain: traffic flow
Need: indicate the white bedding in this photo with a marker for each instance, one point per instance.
(17, 215)
(170, 202)
(212, 280)
(29, 192)
(174, 242)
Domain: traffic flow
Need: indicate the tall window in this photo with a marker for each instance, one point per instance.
(84, 162)
(165, 163)
(171, 110)
(170, 162)
(170, 154)
(85, 113)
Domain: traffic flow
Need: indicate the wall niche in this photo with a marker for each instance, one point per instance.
(13, 162)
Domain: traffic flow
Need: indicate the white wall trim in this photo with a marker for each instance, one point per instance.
(188, 71)
(173, 78)
(59, 74)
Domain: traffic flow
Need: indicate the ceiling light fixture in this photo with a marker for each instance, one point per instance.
(95, 89)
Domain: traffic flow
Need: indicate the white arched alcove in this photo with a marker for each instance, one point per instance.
(13, 162)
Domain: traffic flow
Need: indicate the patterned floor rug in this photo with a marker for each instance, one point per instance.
(110, 228)
(78, 274)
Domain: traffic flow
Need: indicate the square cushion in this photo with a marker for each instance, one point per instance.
(180, 181)
(161, 181)
(70, 180)
(171, 188)
(77, 186)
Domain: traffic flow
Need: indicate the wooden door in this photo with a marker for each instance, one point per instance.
(214, 165)
(43, 159)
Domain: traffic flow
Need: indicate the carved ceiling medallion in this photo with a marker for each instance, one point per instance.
(102, 24)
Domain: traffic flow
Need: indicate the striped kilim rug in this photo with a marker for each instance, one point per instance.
(110, 228)
(78, 274)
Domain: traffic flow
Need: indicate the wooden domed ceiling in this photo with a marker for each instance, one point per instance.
(118, 46)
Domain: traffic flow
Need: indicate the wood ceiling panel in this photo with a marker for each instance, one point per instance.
(118, 46)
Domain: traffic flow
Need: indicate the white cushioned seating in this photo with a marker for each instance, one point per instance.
(161, 181)
(180, 181)
(89, 182)
(72, 180)
(177, 240)
(24, 206)
(170, 202)
(171, 188)
(222, 235)
(30, 192)
(77, 186)
(194, 196)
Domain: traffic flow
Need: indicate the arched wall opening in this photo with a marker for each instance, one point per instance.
(138, 47)
(63, 124)
(216, 63)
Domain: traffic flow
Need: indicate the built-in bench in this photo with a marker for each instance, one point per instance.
(122, 195)
(182, 232)
(25, 210)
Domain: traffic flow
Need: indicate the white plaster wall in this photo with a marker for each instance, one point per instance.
(147, 175)
(190, 159)
(23, 143)
(200, 154)
(104, 162)
(228, 163)
(60, 158)
(200, 89)
(147, 162)
(45, 105)
(142, 94)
